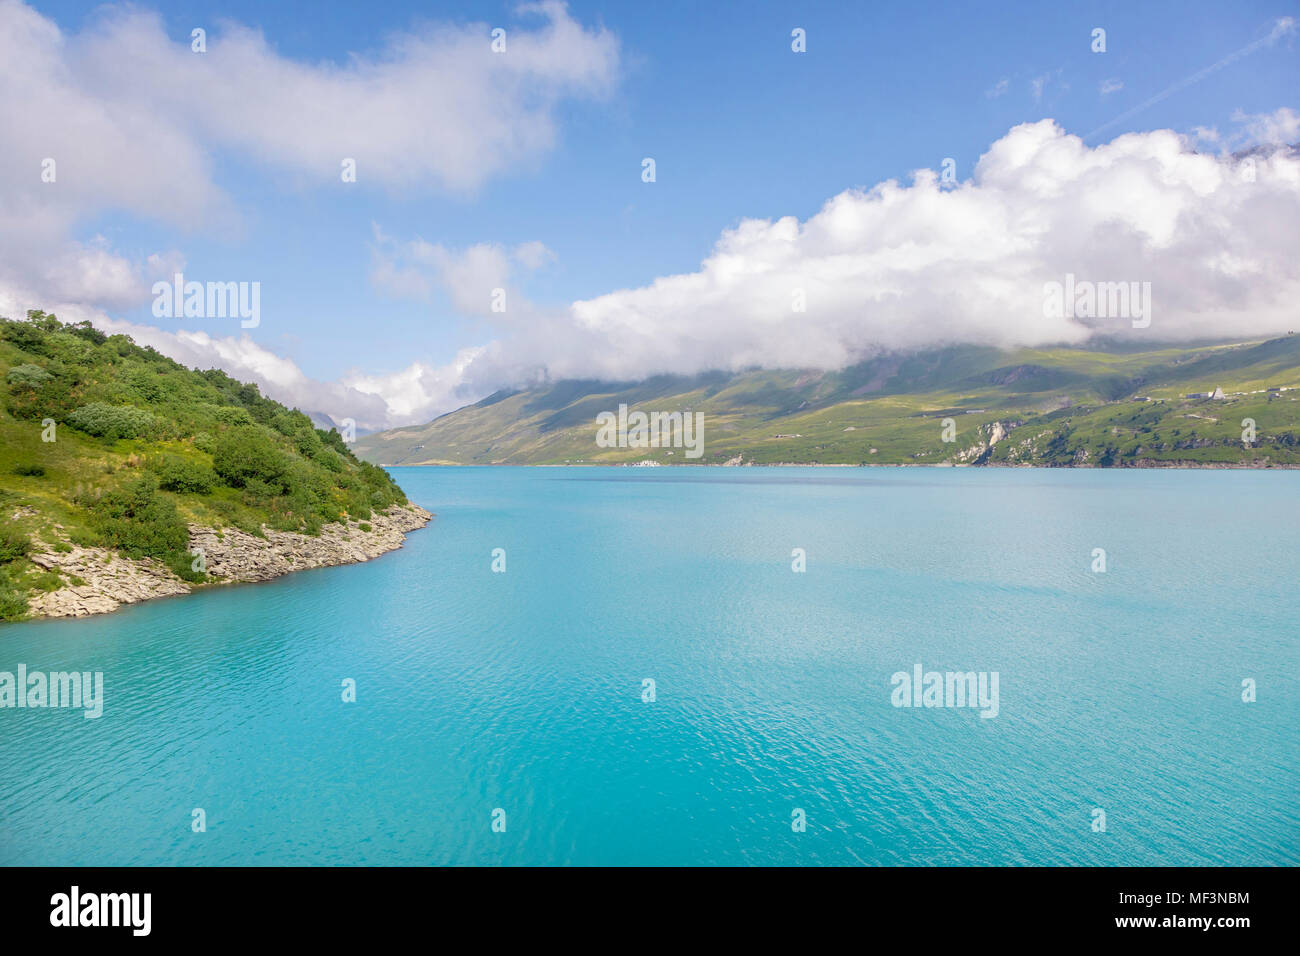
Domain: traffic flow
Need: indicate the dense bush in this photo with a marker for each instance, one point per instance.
(27, 374)
(30, 470)
(28, 336)
(114, 421)
(13, 598)
(328, 458)
(146, 384)
(245, 456)
(335, 441)
(141, 522)
(233, 416)
(183, 475)
(14, 543)
(84, 330)
(37, 392)
(383, 490)
(292, 424)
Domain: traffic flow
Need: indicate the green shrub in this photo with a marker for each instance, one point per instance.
(146, 384)
(234, 416)
(45, 581)
(84, 330)
(307, 442)
(114, 421)
(29, 375)
(14, 543)
(257, 491)
(136, 519)
(13, 601)
(246, 456)
(30, 469)
(292, 424)
(327, 458)
(182, 564)
(335, 441)
(183, 475)
(37, 392)
(25, 335)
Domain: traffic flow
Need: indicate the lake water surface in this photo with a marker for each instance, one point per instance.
(523, 691)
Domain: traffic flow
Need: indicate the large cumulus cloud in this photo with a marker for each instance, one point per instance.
(907, 266)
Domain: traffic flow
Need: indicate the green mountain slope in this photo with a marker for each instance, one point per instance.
(107, 444)
(1056, 406)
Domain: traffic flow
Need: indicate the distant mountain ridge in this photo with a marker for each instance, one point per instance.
(957, 405)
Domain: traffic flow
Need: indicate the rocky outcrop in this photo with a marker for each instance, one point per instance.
(234, 555)
(100, 580)
(990, 435)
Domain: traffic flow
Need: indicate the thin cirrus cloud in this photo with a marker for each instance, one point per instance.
(999, 88)
(1041, 83)
(474, 279)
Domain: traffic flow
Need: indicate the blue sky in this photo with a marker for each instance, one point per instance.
(739, 127)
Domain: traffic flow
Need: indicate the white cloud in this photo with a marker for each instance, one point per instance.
(435, 106)
(999, 88)
(470, 277)
(533, 254)
(136, 122)
(420, 391)
(913, 266)
(1251, 130)
(892, 267)
(1268, 129)
(1111, 85)
(416, 393)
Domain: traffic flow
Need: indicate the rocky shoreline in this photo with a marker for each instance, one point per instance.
(103, 581)
(1141, 464)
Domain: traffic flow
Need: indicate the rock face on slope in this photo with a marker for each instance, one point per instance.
(103, 581)
(234, 555)
(990, 435)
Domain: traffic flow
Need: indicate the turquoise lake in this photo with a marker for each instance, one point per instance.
(522, 691)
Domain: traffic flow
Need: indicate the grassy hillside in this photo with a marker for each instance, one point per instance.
(1036, 406)
(105, 443)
